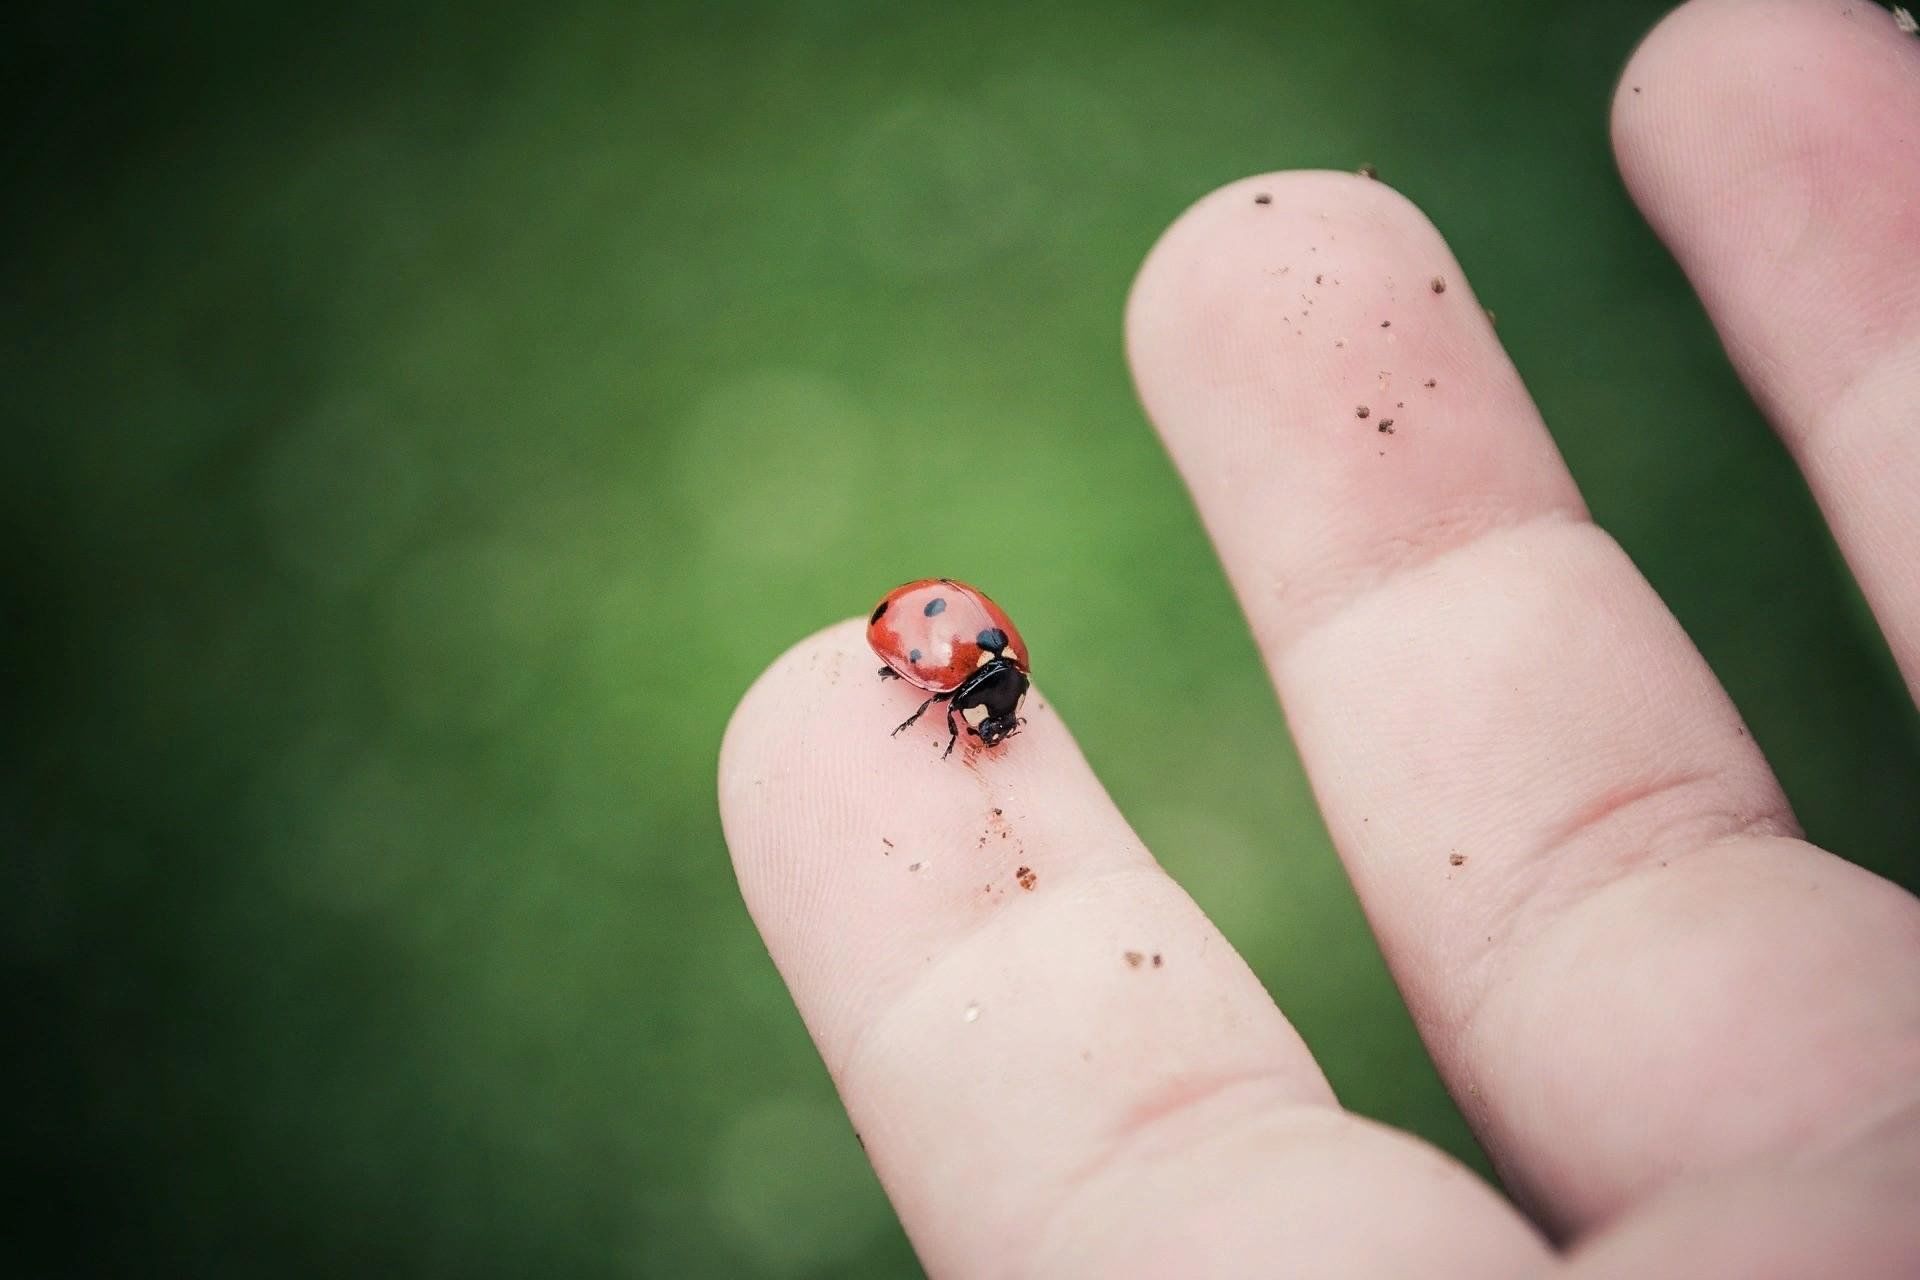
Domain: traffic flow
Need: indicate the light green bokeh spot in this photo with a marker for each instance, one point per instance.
(754, 462)
(932, 187)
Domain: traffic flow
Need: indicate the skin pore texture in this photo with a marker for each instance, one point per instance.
(1689, 1039)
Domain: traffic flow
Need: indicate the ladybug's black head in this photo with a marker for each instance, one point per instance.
(996, 730)
(990, 701)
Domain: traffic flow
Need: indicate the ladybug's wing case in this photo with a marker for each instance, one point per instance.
(927, 632)
(904, 636)
(920, 672)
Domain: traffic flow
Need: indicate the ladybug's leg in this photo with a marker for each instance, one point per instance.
(953, 733)
(888, 673)
(916, 715)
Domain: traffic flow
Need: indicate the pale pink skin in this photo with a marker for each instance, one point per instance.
(1690, 1039)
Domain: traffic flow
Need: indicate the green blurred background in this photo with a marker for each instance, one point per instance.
(420, 428)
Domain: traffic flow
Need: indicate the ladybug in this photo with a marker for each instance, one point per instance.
(951, 640)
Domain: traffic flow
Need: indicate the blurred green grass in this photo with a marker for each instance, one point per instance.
(422, 426)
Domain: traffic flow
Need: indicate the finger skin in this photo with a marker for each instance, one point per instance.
(1842, 1211)
(1581, 872)
(1036, 1099)
(1772, 144)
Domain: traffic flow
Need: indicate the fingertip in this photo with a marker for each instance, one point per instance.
(1756, 115)
(1632, 108)
(1664, 77)
(1331, 391)
(820, 721)
(1285, 304)
(793, 760)
(1224, 224)
(781, 704)
(843, 833)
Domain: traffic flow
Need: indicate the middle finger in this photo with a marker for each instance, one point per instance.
(1578, 864)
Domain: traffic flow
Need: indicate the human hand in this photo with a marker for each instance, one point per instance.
(1689, 1039)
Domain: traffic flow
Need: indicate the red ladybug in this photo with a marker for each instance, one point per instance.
(949, 639)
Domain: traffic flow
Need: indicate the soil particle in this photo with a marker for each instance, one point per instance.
(1362, 411)
(1457, 859)
(1263, 198)
(1133, 959)
(1026, 878)
(1438, 285)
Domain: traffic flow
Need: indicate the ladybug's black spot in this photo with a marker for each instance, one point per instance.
(913, 655)
(877, 612)
(993, 639)
(935, 607)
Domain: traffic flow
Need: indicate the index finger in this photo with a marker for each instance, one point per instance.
(1058, 1066)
